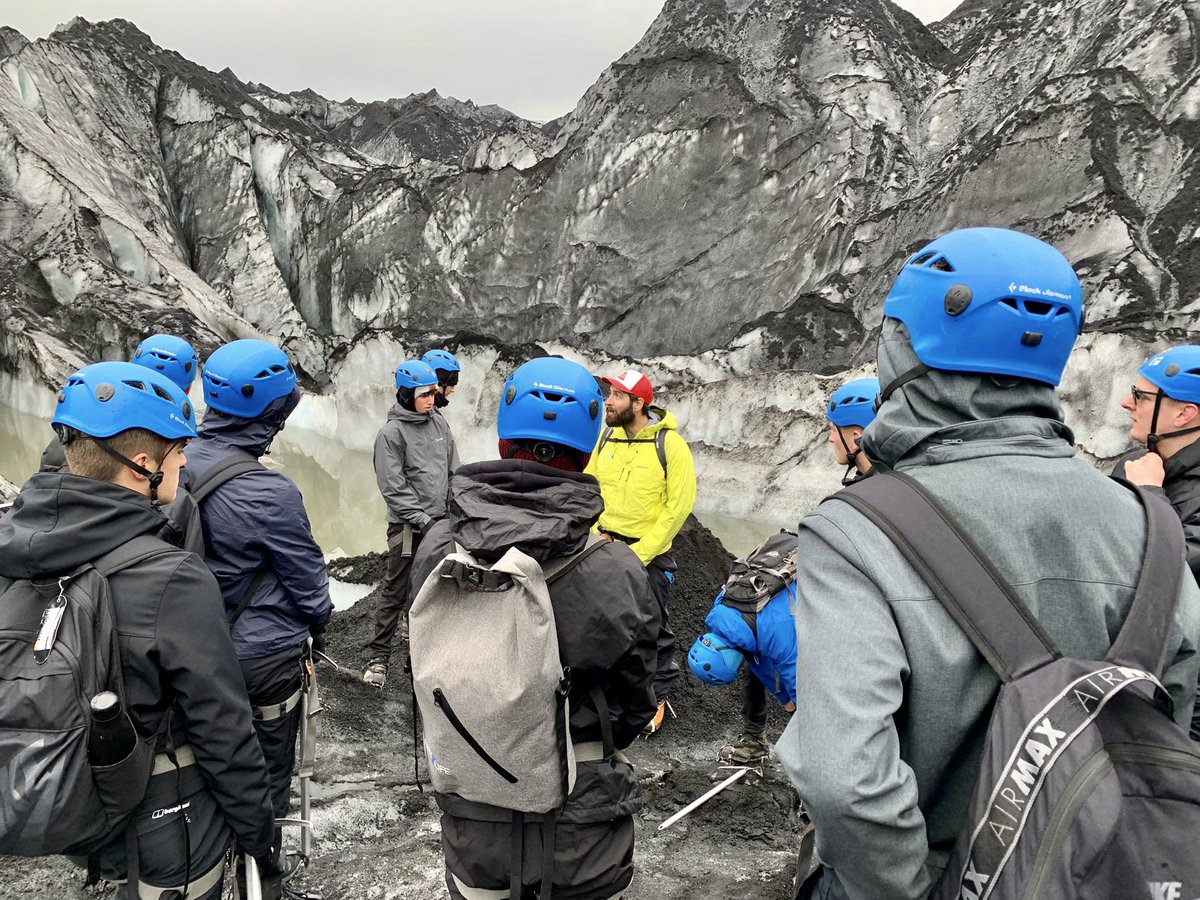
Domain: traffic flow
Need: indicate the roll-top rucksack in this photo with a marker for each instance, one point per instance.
(490, 684)
(1087, 788)
(766, 570)
(58, 649)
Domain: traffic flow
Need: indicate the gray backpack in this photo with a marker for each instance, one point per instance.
(490, 684)
(58, 649)
(1087, 788)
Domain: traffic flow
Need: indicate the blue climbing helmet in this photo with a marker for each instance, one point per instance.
(989, 300)
(853, 403)
(414, 374)
(170, 355)
(106, 398)
(441, 361)
(712, 660)
(552, 400)
(1176, 374)
(242, 378)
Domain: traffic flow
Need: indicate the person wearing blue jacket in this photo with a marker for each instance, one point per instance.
(766, 642)
(259, 543)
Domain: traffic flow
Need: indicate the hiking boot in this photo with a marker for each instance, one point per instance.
(376, 673)
(289, 864)
(657, 722)
(748, 750)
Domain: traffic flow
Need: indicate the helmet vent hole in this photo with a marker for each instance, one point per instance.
(1038, 308)
(1011, 303)
(136, 384)
(161, 393)
(942, 264)
(275, 370)
(923, 258)
(1062, 311)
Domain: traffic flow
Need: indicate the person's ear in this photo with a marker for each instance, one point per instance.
(1187, 414)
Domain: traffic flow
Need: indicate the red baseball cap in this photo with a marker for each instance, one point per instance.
(632, 382)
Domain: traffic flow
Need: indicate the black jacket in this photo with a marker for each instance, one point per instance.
(606, 618)
(1182, 488)
(175, 646)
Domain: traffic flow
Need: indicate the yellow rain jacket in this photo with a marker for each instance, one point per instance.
(639, 500)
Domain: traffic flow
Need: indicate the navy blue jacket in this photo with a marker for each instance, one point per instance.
(258, 520)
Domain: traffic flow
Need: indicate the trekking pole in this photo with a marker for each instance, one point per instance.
(310, 708)
(253, 885)
(704, 798)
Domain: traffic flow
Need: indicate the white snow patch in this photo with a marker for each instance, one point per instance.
(190, 106)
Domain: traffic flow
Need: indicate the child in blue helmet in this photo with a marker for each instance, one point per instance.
(415, 456)
(537, 498)
(1164, 412)
(124, 428)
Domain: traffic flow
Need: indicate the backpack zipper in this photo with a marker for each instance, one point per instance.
(1080, 787)
(439, 698)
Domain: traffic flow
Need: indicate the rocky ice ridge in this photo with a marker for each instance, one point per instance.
(724, 208)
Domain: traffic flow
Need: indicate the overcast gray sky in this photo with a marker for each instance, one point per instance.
(534, 57)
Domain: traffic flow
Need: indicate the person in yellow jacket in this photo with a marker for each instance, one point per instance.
(648, 483)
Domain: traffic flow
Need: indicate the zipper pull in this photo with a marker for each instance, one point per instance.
(52, 617)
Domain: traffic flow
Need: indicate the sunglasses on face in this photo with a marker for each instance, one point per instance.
(1139, 395)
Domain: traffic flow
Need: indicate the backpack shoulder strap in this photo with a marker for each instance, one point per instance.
(131, 553)
(1142, 641)
(230, 467)
(556, 568)
(660, 444)
(956, 569)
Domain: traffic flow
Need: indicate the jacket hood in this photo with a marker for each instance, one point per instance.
(407, 415)
(952, 406)
(254, 436)
(61, 521)
(665, 421)
(541, 511)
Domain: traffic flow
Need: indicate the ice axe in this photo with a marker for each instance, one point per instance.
(706, 796)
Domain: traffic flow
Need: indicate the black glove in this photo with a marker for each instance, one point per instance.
(318, 638)
(270, 876)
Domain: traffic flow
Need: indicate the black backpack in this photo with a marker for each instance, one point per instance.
(54, 801)
(766, 570)
(1087, 788)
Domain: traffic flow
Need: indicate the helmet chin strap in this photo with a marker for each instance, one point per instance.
(851, 457)
(1153, 438)
(155, 478)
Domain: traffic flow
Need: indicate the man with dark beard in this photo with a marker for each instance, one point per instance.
(648, 482)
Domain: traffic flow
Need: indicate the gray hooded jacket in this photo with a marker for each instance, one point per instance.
(414, 459)
(893, 701)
